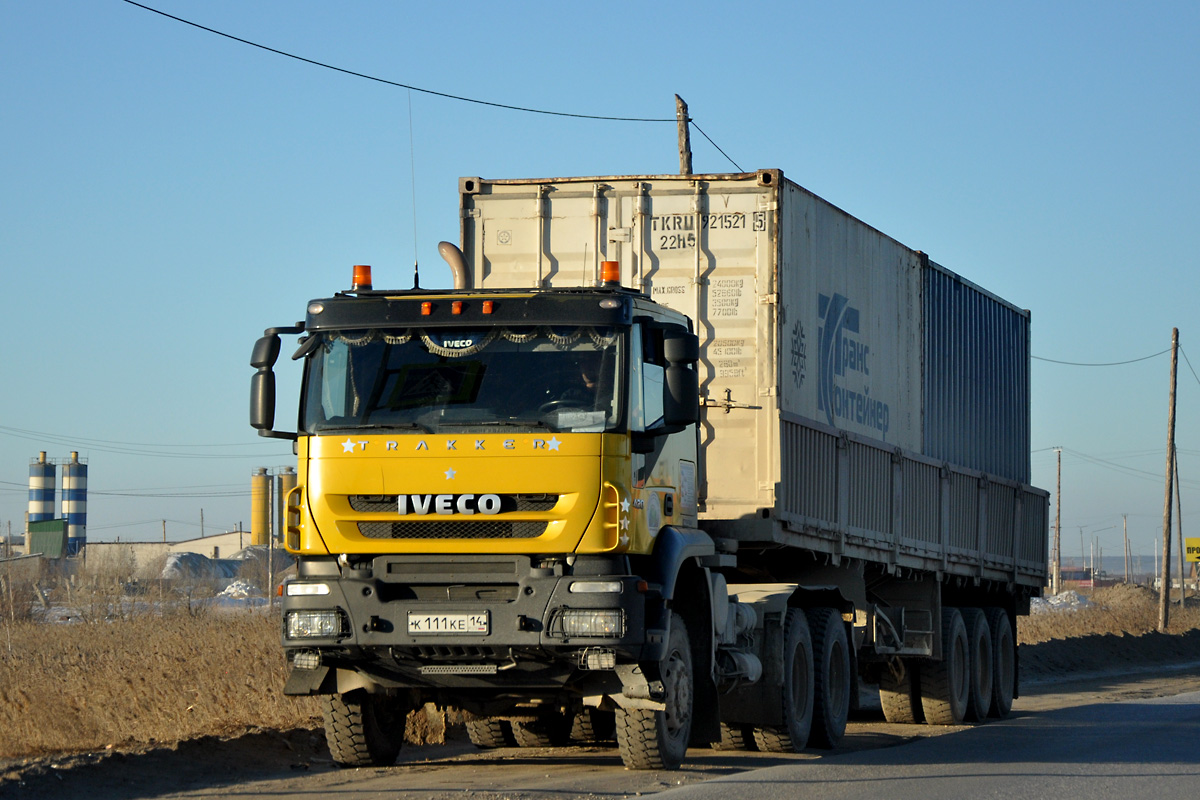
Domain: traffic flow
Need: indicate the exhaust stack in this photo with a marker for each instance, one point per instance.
(458, 264)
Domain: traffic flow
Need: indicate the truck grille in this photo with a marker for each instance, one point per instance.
(490, 529)
(385, 503)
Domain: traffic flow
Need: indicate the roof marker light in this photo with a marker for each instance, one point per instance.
(362, 278)
(426, 308)
(487, 306)
(456, 307)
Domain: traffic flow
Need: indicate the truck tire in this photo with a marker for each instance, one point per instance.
(797, 691)
(736, 737)
(550, 729)
(363, 729)
(900, 697)
(490, 732)
(1004, 662)
(831, 677)
(945, 688)
(651, 739)
(979, 647)
(591, 725)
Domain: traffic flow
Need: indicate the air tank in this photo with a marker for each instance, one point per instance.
(41, 489)
(260, 506)
(74, 502)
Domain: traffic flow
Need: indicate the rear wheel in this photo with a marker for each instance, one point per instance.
(945, 689)
(798, 689)
(1004, 662)
(979, 646)
(550, 729)
(363, 729)
(658, 739)
(736, 737)
(831, 677)
(593, 725)
(490, 732)
(899, 693)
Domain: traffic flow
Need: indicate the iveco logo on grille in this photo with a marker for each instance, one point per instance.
(453, 503)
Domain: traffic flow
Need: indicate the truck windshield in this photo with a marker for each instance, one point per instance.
(465, 379)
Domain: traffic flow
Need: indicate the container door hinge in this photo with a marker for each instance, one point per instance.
(727, 403)
(471, 213)
(771, 299)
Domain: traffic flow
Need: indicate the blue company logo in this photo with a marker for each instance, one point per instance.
(841, 354)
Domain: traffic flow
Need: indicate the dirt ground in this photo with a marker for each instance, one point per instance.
(1063, 662)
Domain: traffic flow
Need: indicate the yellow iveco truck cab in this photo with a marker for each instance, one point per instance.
(679, 460)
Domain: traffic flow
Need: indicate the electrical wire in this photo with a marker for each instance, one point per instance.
(692, 122)
(397, 83)
(1105, 364)
(1188, 361)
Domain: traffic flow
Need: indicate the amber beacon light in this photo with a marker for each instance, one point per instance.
(362, 278)
(610, 273)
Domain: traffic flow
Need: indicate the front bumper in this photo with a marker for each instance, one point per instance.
(530, 629)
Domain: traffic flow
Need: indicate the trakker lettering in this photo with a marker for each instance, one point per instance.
(841, 353)
(467, 504)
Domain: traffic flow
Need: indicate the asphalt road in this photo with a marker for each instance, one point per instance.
(1093, 736)
(1135, 749)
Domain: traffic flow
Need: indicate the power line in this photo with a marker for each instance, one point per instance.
(397, 83)
(1189, 363)
(1105, 364)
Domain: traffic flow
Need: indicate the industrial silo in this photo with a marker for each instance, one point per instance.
(260, 506)
(41, 489)
(74, 502)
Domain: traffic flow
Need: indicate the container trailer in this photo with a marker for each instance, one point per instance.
(680, 459)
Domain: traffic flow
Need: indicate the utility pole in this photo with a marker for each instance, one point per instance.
(202, 523)
(685, 138)
(1056, 572)
(1165, 590)
(164, 530)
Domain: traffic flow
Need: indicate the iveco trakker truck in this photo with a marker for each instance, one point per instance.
(679, 458)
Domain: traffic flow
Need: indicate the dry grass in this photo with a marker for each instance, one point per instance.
(1124, 609)
(130, 672)
(141, 678)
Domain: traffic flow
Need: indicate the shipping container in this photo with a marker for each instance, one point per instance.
(860, 400)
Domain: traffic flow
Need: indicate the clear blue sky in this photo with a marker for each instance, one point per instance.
(166, 193)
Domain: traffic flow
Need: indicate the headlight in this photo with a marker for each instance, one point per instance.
(597, 623)
(595, 587)
(324, 624)
(298, 589)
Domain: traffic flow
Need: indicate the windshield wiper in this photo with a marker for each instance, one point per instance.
(380, 426)
(496, 423)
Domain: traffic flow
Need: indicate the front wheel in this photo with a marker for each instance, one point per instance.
(651, 739)
(363, 729)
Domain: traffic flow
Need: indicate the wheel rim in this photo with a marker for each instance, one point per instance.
(799, 697)
(836, 690)
(678, 690)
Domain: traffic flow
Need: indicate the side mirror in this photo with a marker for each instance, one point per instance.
(262, 384)
(681, 397)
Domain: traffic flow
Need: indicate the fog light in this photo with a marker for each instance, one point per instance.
(599, 658)
(306, 659)
(597, 623)
(313, 624)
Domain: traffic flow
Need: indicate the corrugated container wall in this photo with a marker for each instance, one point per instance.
(803, 312)
(976, 377)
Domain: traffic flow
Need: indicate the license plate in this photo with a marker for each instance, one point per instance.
(447, 624)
